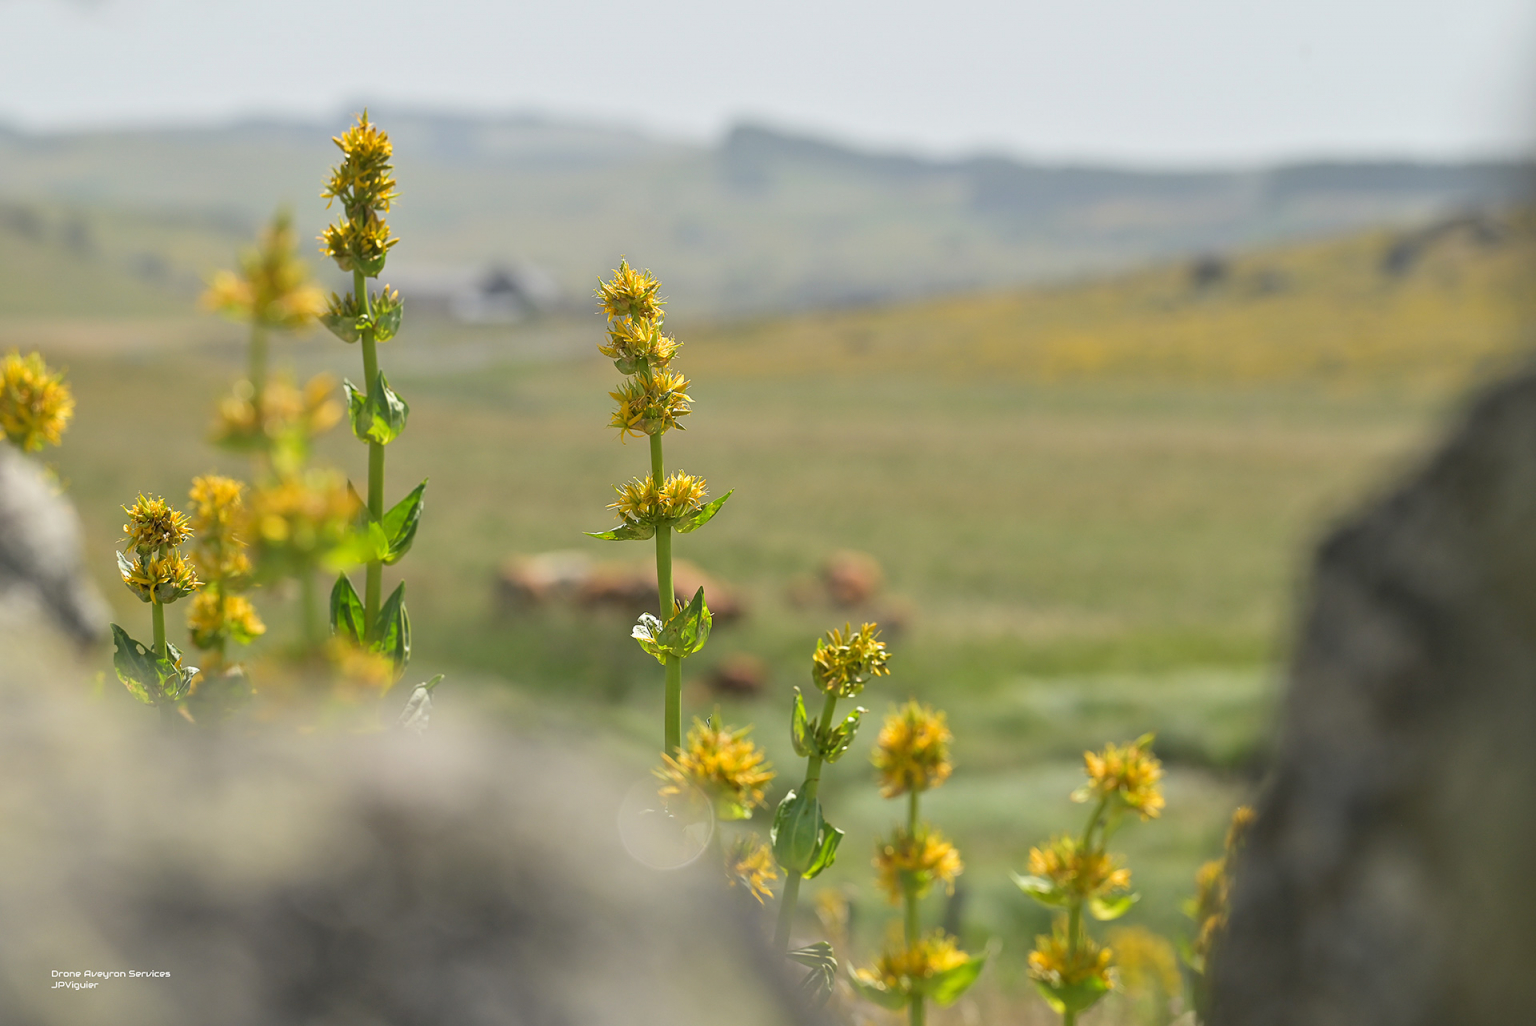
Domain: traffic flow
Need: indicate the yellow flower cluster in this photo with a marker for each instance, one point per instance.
(903, 970)
(35, 403)
(272, 287)
(650, 403)
(364, 183)
(914, 862)
(1128, 775)
(1055, 964)
(1213, 885)
(641, 502)
(156, 570)
(722, 763)
(299, 518)
(846, 659)
(631, 295)
(219, 517)
(912, 752)
(1081, 872)
(749, 863)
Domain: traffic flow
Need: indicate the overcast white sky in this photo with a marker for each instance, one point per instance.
(1145, 81)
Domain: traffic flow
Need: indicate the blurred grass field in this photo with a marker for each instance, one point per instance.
(1096, 500)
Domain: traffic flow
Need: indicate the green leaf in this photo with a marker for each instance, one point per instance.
(948, 985)
(380, 415)
(1042, 890)
(703, 516)
(348, 329)
(392, 629)
(892, 999)
(797, 832)
(363, 543)
(837, 740)
(400, 523)
(418, 708)
(679, 637)
(135, 665)
(346, 611)
(150, 678)
(624, 532)
(818, 958)
(800, 727)
(1105, 909)
(1075, 997)
(648, 633)
(826, 849)
(386, 315)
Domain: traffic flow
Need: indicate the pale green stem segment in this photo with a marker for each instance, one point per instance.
(258, 371)
(374, 575)
(672, 712)
(791, 896)
(1075, 913)
(157, 614)
(915, 1007)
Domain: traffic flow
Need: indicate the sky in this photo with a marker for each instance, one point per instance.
(1150, 82)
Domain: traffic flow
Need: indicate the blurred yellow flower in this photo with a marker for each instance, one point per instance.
(722, 763)
(912, 752)
(35, 403)
(1055, 965)
(272, 287)
(1084, 873)
(749, 863)
(903, 970)
(215, 616)
(1129, 775)
(915, 862)
(1147, 966)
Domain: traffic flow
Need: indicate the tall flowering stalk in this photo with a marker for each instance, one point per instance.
(220, 613)
(912, 756)
(272, 292)
(155, 569)
(804, 843)
(364, 185)
(1075, 875)
(35, 402)
(1210, 905)
(651, 401)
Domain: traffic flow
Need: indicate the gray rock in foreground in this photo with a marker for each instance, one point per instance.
(1390, 877)
(40, 569)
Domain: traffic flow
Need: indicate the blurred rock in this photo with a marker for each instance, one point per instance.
(852, 578)
(460, 877)
(632, 588)
(40, 569)
(546, 577)
(1388, 876)
(739, 675)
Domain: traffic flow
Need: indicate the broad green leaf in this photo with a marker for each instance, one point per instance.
(892, 999)
(348, 329)
(357, 409)
(703, 516)
(797, 832)
(346, 611)
(392, 629)
(693, 625)
(948, 985)
(389, 411)
(1075, 997)
(1105, 909)
(800, 727)
(624, 532)
(826, 849)
(1042, 890)
(818, 958)
(400, 523)
(365, 543)
(135, 665)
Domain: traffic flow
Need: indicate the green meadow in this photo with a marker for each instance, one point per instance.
(1094, 506)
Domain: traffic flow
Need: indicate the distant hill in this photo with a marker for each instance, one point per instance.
(764, 220)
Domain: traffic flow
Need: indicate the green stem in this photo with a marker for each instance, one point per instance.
(157, 616)
(915, 1005)
(810, 788)
(258, 362)
(1075, 912)
(311, 608)
(374, 575)
(666, 601)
